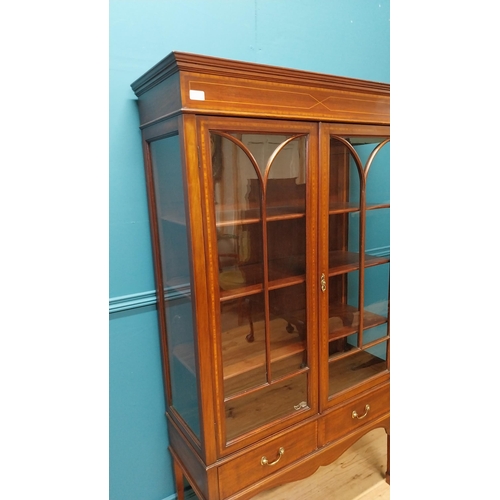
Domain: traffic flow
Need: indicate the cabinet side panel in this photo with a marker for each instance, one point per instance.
(176, 297)
(190, 462)
(161, 101)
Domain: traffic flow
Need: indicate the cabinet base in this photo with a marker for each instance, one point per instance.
(298, 470)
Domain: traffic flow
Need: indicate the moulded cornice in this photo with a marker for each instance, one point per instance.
(195, 63)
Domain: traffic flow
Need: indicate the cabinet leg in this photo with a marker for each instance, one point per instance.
(179, 480)
(388, 473)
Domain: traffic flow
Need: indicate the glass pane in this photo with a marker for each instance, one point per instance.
(168, 180)
(240, 255)
(262, 146)
(182, 364)
(344, 178)
(253, 410)
(286, 248)
(285, 196)
(243, 344)
(343, 235)
(343, 322)
(376, 302)
(378, 181)
(378, 232)
(288, 330)
(375, 333)
(237, 190)
(357, 367)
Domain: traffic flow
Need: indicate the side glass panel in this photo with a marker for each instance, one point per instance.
(259, 196)
(358, 287)
(179, 311)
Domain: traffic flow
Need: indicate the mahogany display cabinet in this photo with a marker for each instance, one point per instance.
(268, 197)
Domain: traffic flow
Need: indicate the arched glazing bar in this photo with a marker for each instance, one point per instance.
(263, 177)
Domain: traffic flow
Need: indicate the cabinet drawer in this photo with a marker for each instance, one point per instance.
(266, 459)
(354, 414)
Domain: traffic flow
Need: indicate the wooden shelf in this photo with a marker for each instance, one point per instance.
(344, 321)
(353, 369)
(252, 214)
(246, 280)
(377, 206)
(341, 262)
(336, 207)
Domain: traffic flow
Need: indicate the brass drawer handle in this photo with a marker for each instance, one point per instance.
(355, 413)
(265, 461)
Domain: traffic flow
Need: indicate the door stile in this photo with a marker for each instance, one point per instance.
(312, 261)
(213, 291)
(323, 266)
(203, 344)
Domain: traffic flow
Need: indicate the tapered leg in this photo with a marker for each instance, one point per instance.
(179, 481)
(388, 473)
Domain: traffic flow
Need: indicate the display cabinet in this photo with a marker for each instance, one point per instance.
(268, 196)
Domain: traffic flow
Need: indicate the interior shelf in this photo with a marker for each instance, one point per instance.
(337, 207)
(344, 321)
(354, 369)
(246, 280)
(341, 262)
(232, 216)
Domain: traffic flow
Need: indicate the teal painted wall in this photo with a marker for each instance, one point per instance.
(342, 37)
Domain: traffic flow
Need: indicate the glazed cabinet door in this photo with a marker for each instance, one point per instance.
(261, 210)
(354, 268)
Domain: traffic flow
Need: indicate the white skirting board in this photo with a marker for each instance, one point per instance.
(188, 495)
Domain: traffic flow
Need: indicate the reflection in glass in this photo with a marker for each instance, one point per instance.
(239, 255)
(288, 330)
(243, 342)
(286, 248)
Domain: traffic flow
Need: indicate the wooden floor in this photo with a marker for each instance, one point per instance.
(359, 474)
